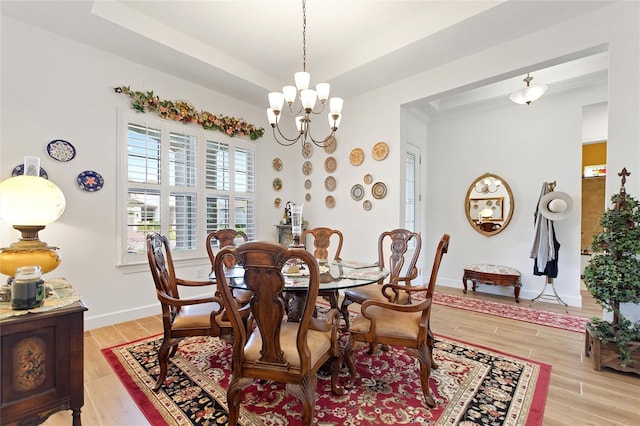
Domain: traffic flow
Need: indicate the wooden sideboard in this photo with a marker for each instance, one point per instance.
(42, 365)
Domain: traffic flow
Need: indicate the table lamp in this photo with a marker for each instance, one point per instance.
(29, 203)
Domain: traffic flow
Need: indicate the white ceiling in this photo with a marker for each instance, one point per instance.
(247, 48)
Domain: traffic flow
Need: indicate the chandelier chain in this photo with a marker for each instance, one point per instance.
(304, 35)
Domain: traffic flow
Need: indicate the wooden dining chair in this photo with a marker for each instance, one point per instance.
(388, 323)
(223, 238)
(269, 347)
(322, 238)
(395, 252)
(180, 317)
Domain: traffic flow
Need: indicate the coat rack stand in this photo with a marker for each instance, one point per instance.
(546, 296)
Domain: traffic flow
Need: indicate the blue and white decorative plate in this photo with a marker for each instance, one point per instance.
(90, 181)
(61, 150)
(19, 170)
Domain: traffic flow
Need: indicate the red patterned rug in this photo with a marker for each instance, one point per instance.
(473, 386)
(560, 320)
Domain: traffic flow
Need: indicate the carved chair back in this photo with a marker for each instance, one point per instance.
(322, 238)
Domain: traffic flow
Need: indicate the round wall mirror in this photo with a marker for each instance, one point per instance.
(489, 204)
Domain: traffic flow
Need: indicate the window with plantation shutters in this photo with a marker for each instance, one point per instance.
(182, 182)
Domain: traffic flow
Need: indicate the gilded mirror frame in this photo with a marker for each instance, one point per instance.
(498, 203)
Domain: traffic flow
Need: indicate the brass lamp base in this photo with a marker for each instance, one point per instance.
(29, 251)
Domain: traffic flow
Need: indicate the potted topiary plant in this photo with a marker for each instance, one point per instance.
(613, 278)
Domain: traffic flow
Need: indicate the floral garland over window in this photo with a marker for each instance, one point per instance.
(185, 112)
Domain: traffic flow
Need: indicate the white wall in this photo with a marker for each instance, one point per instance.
(71, 98)
(54, 88)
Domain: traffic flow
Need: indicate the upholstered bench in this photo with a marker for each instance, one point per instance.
(493, 275)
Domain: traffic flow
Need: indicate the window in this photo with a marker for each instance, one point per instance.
(182, 182)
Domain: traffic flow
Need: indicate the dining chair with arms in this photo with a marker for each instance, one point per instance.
(322, 238)
(402, 247)
(223, 238)
(388, 323)
(267, 346)
(180, 317)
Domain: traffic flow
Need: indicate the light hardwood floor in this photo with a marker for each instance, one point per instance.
(578, 395)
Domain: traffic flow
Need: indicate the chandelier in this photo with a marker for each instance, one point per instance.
(528, 94)
(488, 185)
(308, 98)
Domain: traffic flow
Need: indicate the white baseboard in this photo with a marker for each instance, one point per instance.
(111, 318)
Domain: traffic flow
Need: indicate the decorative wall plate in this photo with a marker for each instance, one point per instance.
(379, 190)
(330, 183)
(307, 150)
(368, 179)
(331, 143)
(307, 197)
(61, 150)
(329, 201)
(356, 157)
(307, 168)
(330, 164)
(366, 204)
(357, 192)
(19, 171)
(307, 184)
(277, 184)
(277, 202)
(277, 164)
(380, 151)
(90, 181)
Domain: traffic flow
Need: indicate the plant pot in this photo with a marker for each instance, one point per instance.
(605, 354)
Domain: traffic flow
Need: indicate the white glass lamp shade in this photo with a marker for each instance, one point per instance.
(300, 124)
(302, 80)
(323, 91)
(335, 105)
(289, 93)
(308, 98)
(528, 94)
(272, 116)
(276, 100)
(30, 201)
(334, 123)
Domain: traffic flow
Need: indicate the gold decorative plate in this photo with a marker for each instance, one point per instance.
(330, 183)
(329, 201)
(379, 190)
(330, 164)
(368, 179)
(277, 164)
(366, 204)
(380, 151)
(307, 184)
(277, 202)
(331, 143)
(277, 184)
(356, 157)
(307, 197)
(307, 168)
(307, 150)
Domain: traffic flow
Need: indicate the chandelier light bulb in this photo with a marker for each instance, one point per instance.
(276, 100)
(322, 89)
(302, 80)
(529, 94)
(273, 118)
(334, 120)
(300, 124)
(289, 93)
(308, 98)
(335, 105)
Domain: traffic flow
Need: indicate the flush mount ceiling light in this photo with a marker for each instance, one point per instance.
(528, 94)
(308, 99)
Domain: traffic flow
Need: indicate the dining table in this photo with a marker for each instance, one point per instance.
(334, 276)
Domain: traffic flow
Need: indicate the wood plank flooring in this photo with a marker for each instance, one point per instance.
(578, 395)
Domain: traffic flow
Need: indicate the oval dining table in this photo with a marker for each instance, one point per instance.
(334, 276)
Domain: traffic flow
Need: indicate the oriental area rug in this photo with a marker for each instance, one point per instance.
(559, 320)
(473, 385)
